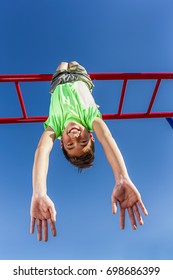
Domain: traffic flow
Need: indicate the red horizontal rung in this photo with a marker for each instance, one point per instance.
(94, 76)
(105, 117)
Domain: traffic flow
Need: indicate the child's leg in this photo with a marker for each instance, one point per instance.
(62, 66)
(72, 63)
(75, 67)
(79, 73)
(68, 73)
(57, 77)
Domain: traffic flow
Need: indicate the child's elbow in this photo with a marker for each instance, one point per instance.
(43, 149)
(105, 137)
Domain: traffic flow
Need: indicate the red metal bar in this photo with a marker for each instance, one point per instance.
(23, 120)
(153, 96)
(94, 76)
(16, 78)
(138, 116)
(122, 97)
(25, 77)
(131, 76)
(18, 89)
(126, 116)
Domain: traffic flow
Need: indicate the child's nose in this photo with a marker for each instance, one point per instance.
(74, 134)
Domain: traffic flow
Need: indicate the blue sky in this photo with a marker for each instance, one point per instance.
(104, 36)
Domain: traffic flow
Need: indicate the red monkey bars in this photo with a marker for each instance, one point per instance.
(125, 77)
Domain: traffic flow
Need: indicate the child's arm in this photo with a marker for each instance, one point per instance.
(124, 192)
(42, 208)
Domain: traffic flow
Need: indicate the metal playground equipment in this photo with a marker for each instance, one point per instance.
(17, 79)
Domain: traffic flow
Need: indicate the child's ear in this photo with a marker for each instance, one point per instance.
(61, 143)
(92, 137)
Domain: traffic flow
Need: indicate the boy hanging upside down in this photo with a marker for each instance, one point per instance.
(73, 115)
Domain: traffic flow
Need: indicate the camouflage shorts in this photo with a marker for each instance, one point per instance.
(72, 74)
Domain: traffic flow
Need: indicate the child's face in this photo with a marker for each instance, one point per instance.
(76, 139)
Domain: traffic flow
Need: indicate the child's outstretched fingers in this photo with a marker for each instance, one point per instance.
(32, 225)
(122, 218)
(114, 206)
(137, 214)
(52, 213)
(141, 205)
(53, 228)
(45, 230)
(39, 229)
(52, 219)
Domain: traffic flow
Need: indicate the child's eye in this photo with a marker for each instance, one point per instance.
(69, 144)
(84, 142)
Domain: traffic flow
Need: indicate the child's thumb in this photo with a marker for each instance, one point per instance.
(114, 207)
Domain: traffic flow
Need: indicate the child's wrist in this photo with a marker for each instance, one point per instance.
(120, 178)
(38, 193)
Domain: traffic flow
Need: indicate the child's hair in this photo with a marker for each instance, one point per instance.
(84, 161)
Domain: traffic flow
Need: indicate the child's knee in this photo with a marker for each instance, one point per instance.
(72, 63)
(62, 66)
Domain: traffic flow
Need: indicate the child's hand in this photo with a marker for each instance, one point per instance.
(128, 197)
(42, 212)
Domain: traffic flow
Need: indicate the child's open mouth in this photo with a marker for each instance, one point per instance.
(74, 129)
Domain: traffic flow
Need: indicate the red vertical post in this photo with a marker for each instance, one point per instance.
(153, 96)
(122, 97)
(22, 104)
